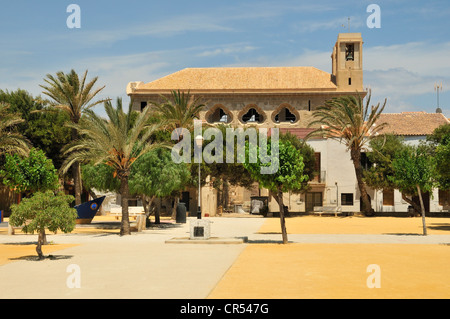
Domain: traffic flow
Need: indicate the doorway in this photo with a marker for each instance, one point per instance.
(313, 199)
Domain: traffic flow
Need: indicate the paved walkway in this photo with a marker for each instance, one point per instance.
(142, 265)
(137, 266)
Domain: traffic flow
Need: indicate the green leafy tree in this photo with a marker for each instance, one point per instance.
(44, 130)
(440, 141)
(382, 152)
(442, 158)
(114, 142)
(354, 123)
(29, 174)
(307, 153)
(223, 174)
(441, 135)
(378, 175)
(11, 141)
(155, 175)
(413, 169)
(73, 95)
(99, 177)
(289, 176)
(44, 210)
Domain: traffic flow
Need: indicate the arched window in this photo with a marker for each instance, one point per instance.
(285, 114)
(218, 114)
(252, 114)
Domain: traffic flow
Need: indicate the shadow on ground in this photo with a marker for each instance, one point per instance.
(36, 258)
(266, 241)
(440, 226)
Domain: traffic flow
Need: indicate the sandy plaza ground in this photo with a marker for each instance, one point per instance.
(326, 257)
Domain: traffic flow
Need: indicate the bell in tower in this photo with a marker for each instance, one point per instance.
(349, 52)
(347, 70)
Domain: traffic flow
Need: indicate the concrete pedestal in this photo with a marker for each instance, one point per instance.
(200, 229)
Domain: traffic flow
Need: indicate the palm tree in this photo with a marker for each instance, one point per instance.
(74, 96)
(354, 124)
(117, 142)
(10, 141)
(179, 110)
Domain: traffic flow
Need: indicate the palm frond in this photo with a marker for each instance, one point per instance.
(117, 141)
(349, 120)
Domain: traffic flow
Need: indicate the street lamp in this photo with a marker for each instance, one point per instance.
(199, 142)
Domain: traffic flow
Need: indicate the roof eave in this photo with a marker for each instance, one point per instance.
(248, 91)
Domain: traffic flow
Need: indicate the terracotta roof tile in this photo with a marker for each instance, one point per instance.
(412, 123)
(300, 133)
(242, 79)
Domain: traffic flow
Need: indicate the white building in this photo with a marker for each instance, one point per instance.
(413, 127)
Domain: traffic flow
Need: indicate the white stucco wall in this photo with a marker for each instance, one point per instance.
(340, 173)
(338, 168)
(336, 161)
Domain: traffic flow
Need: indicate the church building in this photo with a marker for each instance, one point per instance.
(282, 97)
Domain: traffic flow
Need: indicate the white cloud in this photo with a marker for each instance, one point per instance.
(405, 74)
(340, 24)
(158, 29)
(227, 50)
(419, 57)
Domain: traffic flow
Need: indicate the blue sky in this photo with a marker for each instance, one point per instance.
(124, 41)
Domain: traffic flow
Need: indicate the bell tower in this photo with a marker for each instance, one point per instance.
(347, 69)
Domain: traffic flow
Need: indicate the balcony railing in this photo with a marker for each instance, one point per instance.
(320, 177)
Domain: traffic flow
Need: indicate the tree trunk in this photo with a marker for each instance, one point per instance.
(282, 221)
(158, 214)
(219, 197)
(225, 193)
(61, 184)
(41, 241)
(411, 202)
(124, 192)
(176, 200)
(76, 172)
(93, 195)
(356, 158)
(147, 202)
(423, 211)
(77, 182)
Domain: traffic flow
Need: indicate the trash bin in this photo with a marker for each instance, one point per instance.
(411, 210)
(181, 213)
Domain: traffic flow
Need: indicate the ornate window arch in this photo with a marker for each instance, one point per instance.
(252, 114)
(285, 113)
(218, 114)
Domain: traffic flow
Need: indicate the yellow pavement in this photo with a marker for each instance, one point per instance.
(341, 270)
(358, 225)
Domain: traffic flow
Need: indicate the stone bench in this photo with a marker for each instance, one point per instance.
(327, 210)
(133, 211)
